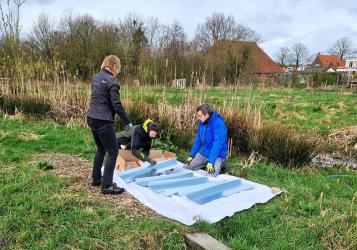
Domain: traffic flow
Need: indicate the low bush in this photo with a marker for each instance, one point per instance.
(323, 78)
(164, 145)
(44, 165)
(27, 105)
(240, 128)
(283, 145)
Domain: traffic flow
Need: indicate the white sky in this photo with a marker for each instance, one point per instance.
(315, 23)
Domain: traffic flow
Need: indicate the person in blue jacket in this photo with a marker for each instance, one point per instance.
(210, 147)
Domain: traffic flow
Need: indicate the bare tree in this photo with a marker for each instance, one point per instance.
(10, 18)
(283, 56)
(175, 40)
(128, 26)
(78, 34)
(245, 33)
(41, 38)
(11, 49)
(343, 47)
(219, 27)
(152, 31)
(174, 49)
(299, 54)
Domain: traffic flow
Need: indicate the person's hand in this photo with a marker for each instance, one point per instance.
(128, 126)
(209, 168)
(188, 161)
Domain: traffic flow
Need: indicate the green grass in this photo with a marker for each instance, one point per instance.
(39, 211)
(298, 107)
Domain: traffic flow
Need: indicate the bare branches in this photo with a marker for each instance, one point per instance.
(10, 18)
(299, 54)
(152, 31)
(284, 56)
(343, 47)
(175, 40)
(41, 37)
(219, 27)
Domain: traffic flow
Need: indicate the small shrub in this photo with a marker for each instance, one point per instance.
(239, 131)
(27, 105)
(317, 109)
(283, 145)
(164, 145)
(44, 165)
(298, 81)
(323, 78)
(181, 138)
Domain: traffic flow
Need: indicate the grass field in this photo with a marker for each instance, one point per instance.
(298, 107)
(304, 109)
(39, 210)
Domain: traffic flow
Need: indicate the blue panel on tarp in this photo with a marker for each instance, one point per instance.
(221, 190)
(216, 195)
(195, 188)
(240, 188)
(145, 181)
(182, 191)
(132, 174)
(160, 186)
(139, 172)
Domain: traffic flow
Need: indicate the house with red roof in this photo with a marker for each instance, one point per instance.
(259, 65)
(328, 62)
(345, 71)
(264, 67)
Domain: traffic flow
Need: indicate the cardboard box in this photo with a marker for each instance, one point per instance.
(126, 160)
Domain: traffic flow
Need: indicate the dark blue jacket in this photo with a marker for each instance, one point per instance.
(211, 139)
(105, 98)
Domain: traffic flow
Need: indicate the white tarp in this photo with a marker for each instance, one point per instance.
(188, 212)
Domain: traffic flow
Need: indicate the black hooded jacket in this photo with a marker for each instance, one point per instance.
(105, 98)
(138, 140)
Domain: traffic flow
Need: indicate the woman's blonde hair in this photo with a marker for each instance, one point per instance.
(110, 61)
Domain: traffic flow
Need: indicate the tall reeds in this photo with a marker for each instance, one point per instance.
(67, 103)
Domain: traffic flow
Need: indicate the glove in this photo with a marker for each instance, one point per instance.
(188, 161)
(152, 163)
(209, 168)
(128, 126)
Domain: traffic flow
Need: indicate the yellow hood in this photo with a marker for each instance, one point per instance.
(146, 123)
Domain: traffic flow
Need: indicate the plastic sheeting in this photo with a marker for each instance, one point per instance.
(188, 212)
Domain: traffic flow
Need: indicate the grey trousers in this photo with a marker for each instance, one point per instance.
(199, 161)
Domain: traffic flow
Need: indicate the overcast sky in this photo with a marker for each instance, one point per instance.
(315, 23)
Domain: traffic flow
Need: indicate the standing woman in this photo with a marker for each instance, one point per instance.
(104, 103)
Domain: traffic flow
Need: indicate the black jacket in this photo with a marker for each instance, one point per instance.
(141, 140)
(138, 140)
(105, 98)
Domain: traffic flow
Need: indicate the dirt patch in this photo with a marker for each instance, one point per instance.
(79, 172)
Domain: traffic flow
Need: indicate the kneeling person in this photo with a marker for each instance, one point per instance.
(138, 139)
(210, 146)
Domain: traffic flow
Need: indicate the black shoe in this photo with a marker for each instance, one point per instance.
(113, 189)
(96, 183)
